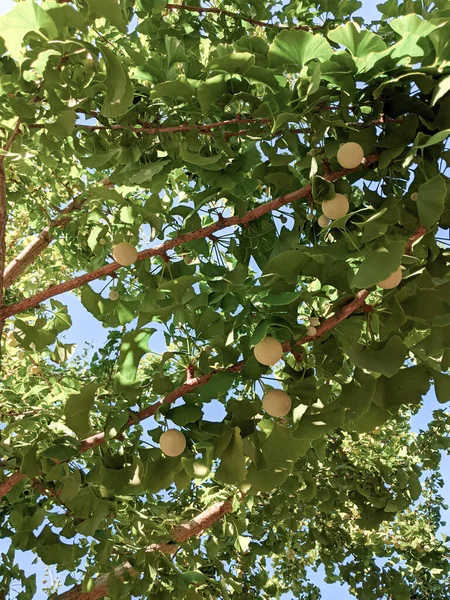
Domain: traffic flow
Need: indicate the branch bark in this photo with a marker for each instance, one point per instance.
(207, 129)
(27, 256)
(179, 534)
(12, 480)
(98, 439)
(4, 216)
(162, 249)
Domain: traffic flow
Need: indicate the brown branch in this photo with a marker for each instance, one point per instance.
(155, 130)
(220, 11)
(26, 257)
(3, 220)
(207, 128)
(179, 534)
(12, 480)
(420, 232)
(4, 215)
(99, 438)
(162, 249)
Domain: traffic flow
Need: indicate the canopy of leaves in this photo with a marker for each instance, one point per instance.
(206, 136)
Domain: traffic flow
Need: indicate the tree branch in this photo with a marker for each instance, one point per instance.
(12, 480)
(99, 438)
(26, 257)
(179, 534)
(220, 11)
(207, 128)
(162, 249)
(4, 216)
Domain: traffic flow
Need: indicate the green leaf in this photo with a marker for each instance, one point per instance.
(77, 409)
(146, 174)
(238, 62)
(173, 90)
(431, 200)
(211, 90)
(232, 463)
(322, 189)
(297, 48)
(441, 88)
(279, 300)
(359, 42)
(119, 91)
(379, 264)
(312, 426)
(442, 387)
(110, 10)
(408, 386)
(385, 358)
(133, 347)
(26, 17)
(64, 124)
(182, 415)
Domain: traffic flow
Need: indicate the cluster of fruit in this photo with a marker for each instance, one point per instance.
(269, 351)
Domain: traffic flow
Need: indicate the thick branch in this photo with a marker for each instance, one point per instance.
(420, 232)
(220, 11)
(8, 485)
(99, 438)
(27, 256)
(4, 215)
(185, 238)
(179, 534)
(3, 220)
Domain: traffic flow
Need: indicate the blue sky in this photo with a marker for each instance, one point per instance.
(86, 329)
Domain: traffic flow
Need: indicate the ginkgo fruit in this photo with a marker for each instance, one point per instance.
(172, 442)
(277, 403)
(392, 281)
(33, 369)
(114, 295)
(125, 254)
(314, 322)
(323, 221)
(414, 196)
(350, 155)
(11, 340)
(311, 331)
(268, 351)
(335, 208)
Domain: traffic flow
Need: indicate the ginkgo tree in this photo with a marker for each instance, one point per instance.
(264, 184)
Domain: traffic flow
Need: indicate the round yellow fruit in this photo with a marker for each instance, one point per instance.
(335, 208)
(314, 322)
(268, 351)
(11, 341)
(125, 254)
(309, 216)
(392, 281)
(311, 331)
(350, 155)
(114, 295)
(323, 221)
(172, 442)
(276, 403)
(33, 370)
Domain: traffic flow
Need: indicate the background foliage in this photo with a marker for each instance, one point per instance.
(207, 137)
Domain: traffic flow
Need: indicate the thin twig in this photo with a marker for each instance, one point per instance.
(221, 11)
